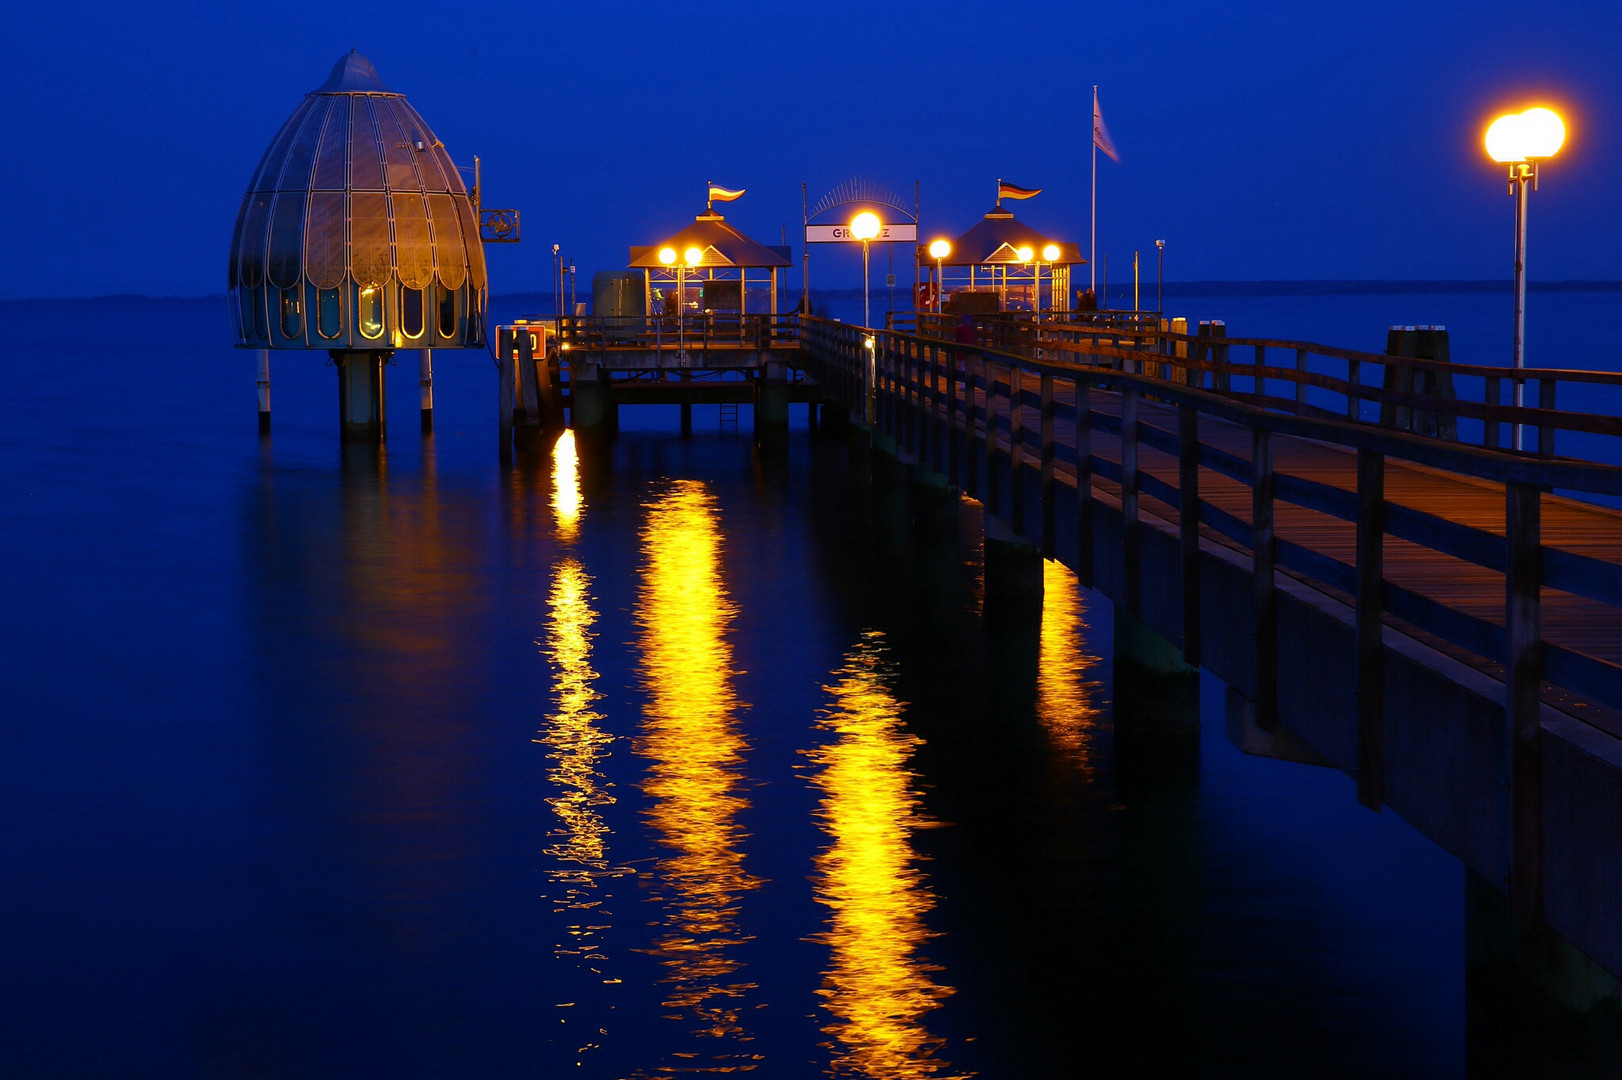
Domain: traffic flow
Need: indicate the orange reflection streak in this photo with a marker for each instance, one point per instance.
(695, 750)
(566, 500)
(878, 987)
(1063, 692)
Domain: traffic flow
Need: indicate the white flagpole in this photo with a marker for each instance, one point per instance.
(1092, 253)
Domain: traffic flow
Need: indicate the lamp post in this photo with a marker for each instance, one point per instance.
(1025, 254)
(864, 227)
(1050, 255)
(1521, 140)
(1160, 278)
(690, 259)
(938, 250)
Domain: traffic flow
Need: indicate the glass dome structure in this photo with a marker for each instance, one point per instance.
(356, 232)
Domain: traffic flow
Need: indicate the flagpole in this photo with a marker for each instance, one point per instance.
(1092, 253)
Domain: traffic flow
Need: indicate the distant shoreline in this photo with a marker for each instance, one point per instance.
(1172, 288)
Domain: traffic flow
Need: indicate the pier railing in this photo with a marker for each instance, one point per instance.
(693, 330)
(1472, 403)
(962, 409)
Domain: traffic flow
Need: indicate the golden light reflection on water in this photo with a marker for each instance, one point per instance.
(693, 784)
(1064, 694)
(566, 500)
(576, 748)
(878, 987)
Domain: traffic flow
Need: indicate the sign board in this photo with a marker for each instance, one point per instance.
(889, 281)
(900, 232)
(498, 226)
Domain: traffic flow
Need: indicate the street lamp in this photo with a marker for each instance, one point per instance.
(690, 259)
(938, 250)
(1050, 255)
(1521, 140)
(1160, 279)
(864, 227)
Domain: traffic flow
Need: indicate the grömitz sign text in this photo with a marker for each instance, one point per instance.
(901, 232)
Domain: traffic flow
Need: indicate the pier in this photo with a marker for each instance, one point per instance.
(1422, 614)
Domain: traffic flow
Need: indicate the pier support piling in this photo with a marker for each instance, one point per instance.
(264, 391)
(425, 387)
(1157, 696)
(361, 415)
(771, 406)
(1013, 567)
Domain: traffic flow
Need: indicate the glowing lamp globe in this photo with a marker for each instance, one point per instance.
(667, 255)
(939, 249)
(1050, 253)
(693, 256)
(1534, 133)
(865, 226)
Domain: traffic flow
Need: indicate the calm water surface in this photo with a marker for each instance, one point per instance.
(333, 763)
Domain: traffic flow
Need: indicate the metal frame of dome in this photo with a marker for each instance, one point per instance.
(356, 231)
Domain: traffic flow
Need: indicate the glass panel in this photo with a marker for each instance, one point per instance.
(448, 253)
(474, 249)
(290, 312)
(371, 312)
(365, 163)
(331, 163)
(301, 155)
(411, 312)
(251, 263)
(261, 327)
(447, 313)
(414, 252)
(285, 261)
(329, 312)
(324, 256)
(370, 260)
(428, 166)
(397, 149)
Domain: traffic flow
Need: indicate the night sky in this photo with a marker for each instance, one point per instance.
(1261, 141)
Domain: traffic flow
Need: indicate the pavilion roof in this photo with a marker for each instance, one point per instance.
(996, 238)
(722, 245)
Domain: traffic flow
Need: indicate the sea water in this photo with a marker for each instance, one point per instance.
(330, 761)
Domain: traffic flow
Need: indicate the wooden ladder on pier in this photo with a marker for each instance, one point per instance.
(729, 413)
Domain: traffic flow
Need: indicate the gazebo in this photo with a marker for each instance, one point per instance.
(719, 278)
(1002, 264)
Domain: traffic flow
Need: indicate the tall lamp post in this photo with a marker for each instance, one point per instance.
(1521, 140)
(864, 227)
(690, 259)
(1160, 279)
(938, 250)
(1050, 255)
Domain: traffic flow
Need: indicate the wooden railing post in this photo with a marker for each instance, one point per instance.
(1370, 628)
(974, 407)
(1262, 554)
(1131, 557)
(992, 488)
(1047, 485)
(1219, 356)
(1188, 488)
(1084, 483)
(1258, 380)
(1546, 431)
(1523, 668)
(505, 344)
(1300, 381)
(953, 453)
(1492, 395)
(1354, 389)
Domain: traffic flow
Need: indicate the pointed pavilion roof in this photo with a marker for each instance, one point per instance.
(353, 74)
(722, 245)
(997, 237)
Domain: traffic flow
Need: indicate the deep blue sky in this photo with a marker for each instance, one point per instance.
(1266, 140)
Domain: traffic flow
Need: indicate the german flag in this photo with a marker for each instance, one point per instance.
(721, 194)
(1014, 191)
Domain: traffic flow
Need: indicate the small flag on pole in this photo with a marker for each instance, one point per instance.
(1101, 137)
(721, 194)
(1014, 191)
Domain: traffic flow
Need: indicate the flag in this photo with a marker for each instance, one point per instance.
(721, 194)
(1014, 191)
(1101, 137)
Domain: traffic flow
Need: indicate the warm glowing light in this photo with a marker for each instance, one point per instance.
(667, 255)
(939, 249)
(1535, 133)
(1024, 253)
(1063, 689)
(877, 988)
(566, 485)
(865, 226)
(1050, 253)
(692, 256)
(694, 781)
